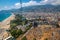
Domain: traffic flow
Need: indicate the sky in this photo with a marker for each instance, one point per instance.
(15, 4)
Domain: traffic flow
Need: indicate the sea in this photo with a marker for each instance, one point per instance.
(4, 15)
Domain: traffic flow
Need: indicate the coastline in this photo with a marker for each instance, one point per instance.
(7, 19)
(6, 23)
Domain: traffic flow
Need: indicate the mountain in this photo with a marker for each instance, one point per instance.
(37, 8)
(41, 8)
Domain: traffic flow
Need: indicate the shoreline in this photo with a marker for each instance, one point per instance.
(8, 18)
(6, 23)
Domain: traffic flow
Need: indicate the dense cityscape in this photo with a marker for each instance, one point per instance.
(30, 20)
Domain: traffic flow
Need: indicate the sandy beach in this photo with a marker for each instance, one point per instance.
(6, 23)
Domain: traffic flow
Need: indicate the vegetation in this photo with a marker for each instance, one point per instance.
(27, 28)
(46, 39)
(57, 25)
(19, 20)
(13, 23)
(16, 33)
(24, 38)
(34, 38)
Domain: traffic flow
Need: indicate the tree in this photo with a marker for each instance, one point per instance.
(19, 32)
(34, 38)
(46, 39)
(13, 33)
(18, 17)
(30, 25)
(16, 33)
(57, 25)
(35, 24)
(24, 38)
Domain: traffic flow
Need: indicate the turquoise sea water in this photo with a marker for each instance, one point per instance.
(3, 16)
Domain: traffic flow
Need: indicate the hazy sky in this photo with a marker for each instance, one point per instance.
(14, 4)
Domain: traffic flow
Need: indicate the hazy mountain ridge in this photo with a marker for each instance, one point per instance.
(42, 8)
(38, 8)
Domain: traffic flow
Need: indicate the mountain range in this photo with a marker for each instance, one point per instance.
(36, 8)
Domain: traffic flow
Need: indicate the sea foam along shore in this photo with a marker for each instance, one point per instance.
(6, 23)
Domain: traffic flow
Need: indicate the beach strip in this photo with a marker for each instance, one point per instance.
(6, 23)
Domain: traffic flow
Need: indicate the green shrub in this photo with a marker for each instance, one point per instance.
(24, 38)
(46, 38)
(16, 33)
(34, 38)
